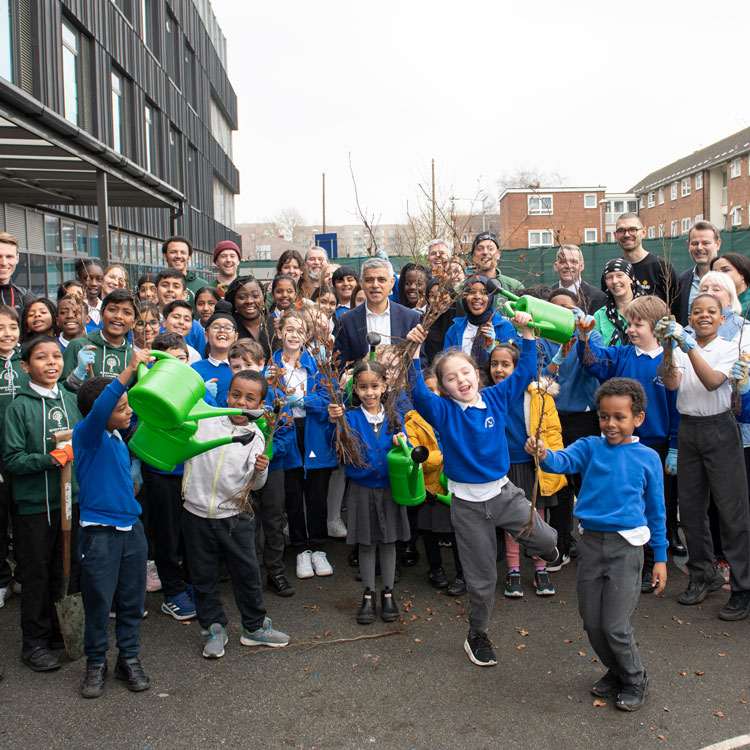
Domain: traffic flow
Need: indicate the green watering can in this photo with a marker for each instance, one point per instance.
(405, 472)
(553, 322)
(373, 341)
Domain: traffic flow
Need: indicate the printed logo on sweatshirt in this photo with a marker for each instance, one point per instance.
(56, 415)
(111, 366)
(489, 422)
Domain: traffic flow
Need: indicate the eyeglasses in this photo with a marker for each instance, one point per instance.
(627, 230)
(146, 324)
(216, 328)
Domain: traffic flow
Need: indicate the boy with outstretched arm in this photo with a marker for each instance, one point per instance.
(614, 527)
(111, 541)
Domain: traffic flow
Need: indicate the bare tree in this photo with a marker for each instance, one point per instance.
(529, 177)
(288, 223)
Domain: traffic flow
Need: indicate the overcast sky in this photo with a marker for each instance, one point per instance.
(601, 93)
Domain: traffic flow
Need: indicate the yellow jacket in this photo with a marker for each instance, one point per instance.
(420, 432)
(535, 406)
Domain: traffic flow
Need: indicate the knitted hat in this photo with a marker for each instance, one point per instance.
(482, 237)
(222, 310)
(226, 245)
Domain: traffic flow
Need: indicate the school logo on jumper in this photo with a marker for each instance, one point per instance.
(489, 422)
(56, 415)
(110, 363)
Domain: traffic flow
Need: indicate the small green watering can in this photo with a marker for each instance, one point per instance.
(405, 472)
(553, 322)
(373, 341)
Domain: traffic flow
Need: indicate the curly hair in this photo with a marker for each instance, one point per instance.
(626, 387)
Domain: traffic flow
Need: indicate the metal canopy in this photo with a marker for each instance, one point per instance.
(44, 159)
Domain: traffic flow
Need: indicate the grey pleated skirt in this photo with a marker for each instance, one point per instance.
(522, 475)
(436, 518)
(372, 516)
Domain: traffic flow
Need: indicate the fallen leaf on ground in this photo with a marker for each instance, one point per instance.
(719, 714)
(597, 702)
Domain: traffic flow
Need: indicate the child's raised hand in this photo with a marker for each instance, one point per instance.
(534, 446)
(660, 574)
(488, 334)
(261, 462)
(397, 436)
(417, 334)
(335, 412)
(141, 356)
(584, 323)
(212, 386)
(344, 379)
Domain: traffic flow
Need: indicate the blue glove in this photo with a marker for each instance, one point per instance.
(86, 357)
(559, 356)
(488, 332)
(677, 333)
(294, 398)
(739, 375)
(135, 473)
(586, 321)
(670, 462)
(381, 254)
(212, 387)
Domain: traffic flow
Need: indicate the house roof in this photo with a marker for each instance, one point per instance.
(716, 153)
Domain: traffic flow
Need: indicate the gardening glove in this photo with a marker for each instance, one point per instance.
(670, 462)
(212, 387)
(488, 334)
(86, 357)
(135, 474)
(559, 355)
(661, 327)
(678, 334)
(739, 375)
(584, 323)
(381, 254)
(63, 455)
(293, 399)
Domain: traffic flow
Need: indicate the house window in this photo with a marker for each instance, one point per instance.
(651, 199)
(661, 230)
(673, 191)
(540, 205)
(191, 77)
(698, 217)
(149, 128)
(632, 207)
(661, 195)
(699, 181)
(684, 187)
(674, 229)
(641, 202)
(735, 216)
(172, 35)
(589, 200)
(117, 111)
(542, 238)
(589, 235)
(685, 226)
(175, 158)
(735, 167)
(71, 77)
(193, 176)
(651, 232)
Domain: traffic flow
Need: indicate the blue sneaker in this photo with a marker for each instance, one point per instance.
(179, 606)
(264, 636)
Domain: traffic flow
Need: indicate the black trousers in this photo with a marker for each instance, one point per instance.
(205, 540)
(306, 501)
(165, 510)
(268, 504)
(433, 555)
(39, 549)
(5, 502)
(113, 579)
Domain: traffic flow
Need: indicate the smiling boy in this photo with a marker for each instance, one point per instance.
(222, 333)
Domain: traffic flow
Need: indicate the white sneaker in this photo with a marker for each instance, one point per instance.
(304, 565)
(320, 564)
(5, 593)
(337, 529)
(153, 582)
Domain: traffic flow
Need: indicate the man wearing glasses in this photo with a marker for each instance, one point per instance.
(656, 275)
(569, 269)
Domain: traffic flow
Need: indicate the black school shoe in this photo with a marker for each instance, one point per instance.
(479, 649)
(388, 608)
(437, 578)
(40, 659)
(632, 697)
(697, 591)
(366, 613)
(131, 673)
(457, 588)
(738, 606)
(279, 585)
(93, 682)
(410, 556)
(608, 686)
(647, 582)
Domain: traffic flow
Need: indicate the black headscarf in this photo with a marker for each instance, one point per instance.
(618, 264)
(478, 351)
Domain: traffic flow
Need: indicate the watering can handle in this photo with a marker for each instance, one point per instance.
(404, 446)
(542, 325)
(143, 368)
(512, 297)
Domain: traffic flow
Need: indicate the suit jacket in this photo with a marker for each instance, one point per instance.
(351, 343)
(681, 306)
(591, 298)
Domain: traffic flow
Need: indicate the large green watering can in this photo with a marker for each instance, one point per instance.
(405, 472)
(553, 322)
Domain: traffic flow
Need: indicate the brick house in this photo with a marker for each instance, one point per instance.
(712, 183)
(542, 217)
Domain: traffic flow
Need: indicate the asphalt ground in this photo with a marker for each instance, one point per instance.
(412, 689)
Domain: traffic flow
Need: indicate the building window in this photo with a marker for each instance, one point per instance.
(685, 226)
(673, 191)
(661, 195)
(150, 24)
(117, 111)
(6, 50)
(684, 187)
(699, 181)
(589, 235)
(698, 217)
(541, 238)
(126, 7)
(223, 204)
(651, 232)
(191, 77)
(632, 207)
(192, 176)
(651, 199)
(661, 230)
(589, 200)
(71, 78)
(149, 130)
(674, 229)
(540, 205)
(220, 128)
(174, 56)
(735, 167)
(641, 202)
(735, 216)
(175, 158)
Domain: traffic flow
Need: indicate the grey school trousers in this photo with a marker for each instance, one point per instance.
(609, 586)
(711, 459)
(475, 524)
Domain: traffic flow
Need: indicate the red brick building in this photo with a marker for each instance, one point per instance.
(542, 217)
(712, 183)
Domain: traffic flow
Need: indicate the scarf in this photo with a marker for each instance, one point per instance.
(620, 333)
(478, 351)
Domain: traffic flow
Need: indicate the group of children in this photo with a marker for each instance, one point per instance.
(502, 414)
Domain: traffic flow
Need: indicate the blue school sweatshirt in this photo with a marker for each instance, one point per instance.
(577, 387)
(285, 451)
(223, 372)
(662, 418)
(102, 463)
(475, 449)
(504, 331)
(515, 432)
(623, 487)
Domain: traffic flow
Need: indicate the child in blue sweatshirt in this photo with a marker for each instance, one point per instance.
(111, 541)
(614, 527)
(476, 462)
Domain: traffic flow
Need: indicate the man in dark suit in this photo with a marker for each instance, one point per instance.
(377, 314)
(704, 242)
(569, 267)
